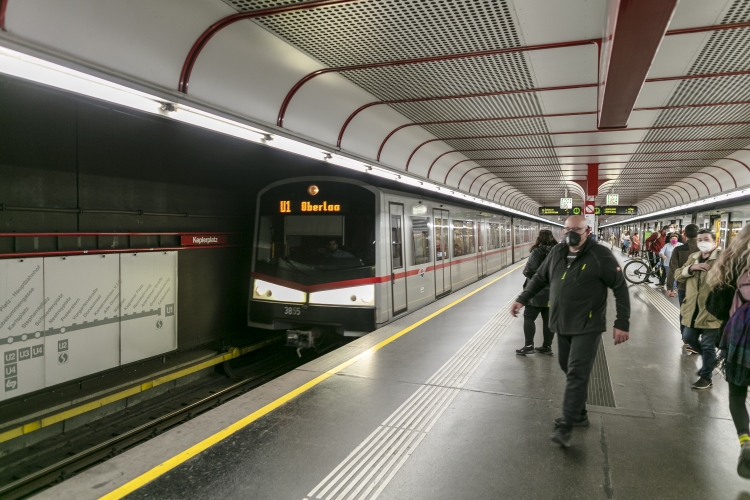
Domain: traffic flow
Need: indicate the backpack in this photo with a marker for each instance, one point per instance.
(735, 346)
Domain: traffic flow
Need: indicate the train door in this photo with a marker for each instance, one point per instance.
(442, 252)
(398, 268)
(481, 247)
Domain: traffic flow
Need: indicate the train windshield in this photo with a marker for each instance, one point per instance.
(313, 233)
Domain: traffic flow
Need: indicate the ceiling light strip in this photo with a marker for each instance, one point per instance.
(698, 203)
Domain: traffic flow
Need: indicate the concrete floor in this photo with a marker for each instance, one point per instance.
(486, 416)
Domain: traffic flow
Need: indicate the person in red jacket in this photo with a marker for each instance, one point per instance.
(654, 244)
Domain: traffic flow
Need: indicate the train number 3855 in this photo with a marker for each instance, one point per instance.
(292, 311)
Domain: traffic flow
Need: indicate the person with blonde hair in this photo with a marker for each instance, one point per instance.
(730, 277)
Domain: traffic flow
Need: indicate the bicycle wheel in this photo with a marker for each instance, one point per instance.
(637, 272)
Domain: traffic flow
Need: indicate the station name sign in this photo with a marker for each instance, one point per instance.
(611, 210)
(296, 207)
(203, 240)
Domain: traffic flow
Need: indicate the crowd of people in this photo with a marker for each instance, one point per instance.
(713, 291)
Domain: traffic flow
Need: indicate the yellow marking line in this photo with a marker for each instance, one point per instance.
(92, 405)
(197, 448)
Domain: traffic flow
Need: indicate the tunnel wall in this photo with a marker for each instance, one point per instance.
(58, 151)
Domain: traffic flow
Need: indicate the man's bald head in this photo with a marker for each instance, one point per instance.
(576, 221)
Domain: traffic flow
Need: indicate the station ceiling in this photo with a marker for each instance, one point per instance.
(495, 97)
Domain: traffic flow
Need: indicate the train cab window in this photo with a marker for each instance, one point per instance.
(335, 242)
(463, 238)
(420, 231)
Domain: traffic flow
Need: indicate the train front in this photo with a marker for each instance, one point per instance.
(313, 271)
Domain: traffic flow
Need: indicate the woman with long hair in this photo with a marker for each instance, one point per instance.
(732, 273)
(540, 303)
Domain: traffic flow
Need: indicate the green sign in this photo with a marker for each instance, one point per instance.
(560, 211)
(617, 210)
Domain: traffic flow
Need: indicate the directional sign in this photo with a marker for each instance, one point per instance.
(566, 203)
(613, 199)
(619, 210)
(559, 211)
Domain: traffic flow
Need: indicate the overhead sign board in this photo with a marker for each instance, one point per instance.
(616, 210)
(560, 211)
(566, 203)
(613, 199)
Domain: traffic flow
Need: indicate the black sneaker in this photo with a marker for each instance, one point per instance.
(561, 436)
(528, 349)
(743, 464)
(703, 383)
(583, 422)
(544, 350)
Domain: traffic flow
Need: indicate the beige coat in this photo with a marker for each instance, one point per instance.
(696, 292)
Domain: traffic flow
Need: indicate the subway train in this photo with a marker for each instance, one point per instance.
(345, 257)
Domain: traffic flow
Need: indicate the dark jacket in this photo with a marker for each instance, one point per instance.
(578, 293)
(680, 256)
(536, 257)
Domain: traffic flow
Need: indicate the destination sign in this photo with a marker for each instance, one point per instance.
(615, 210)
(560, 211)
(304, 206)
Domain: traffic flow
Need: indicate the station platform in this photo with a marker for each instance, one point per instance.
(438, 405)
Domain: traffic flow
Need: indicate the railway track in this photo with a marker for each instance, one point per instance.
(121, 432)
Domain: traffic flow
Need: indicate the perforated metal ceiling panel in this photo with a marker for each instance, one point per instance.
(521, 150)
(725, 51)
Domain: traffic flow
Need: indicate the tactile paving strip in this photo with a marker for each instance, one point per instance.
(600, 383)
(370, 467)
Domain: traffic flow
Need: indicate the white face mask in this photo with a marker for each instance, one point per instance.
(705, 246)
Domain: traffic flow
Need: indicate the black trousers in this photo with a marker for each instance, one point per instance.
(653, 258)
(530, 313)
(737, 396)
(576, 354)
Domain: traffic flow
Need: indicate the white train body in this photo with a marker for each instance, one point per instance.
(396, 252)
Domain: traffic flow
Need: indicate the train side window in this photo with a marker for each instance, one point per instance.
(463, 238)
(421, 240)
(493, 238)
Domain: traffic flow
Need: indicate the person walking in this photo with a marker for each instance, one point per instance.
(732, 271)
(680, 255)
(653, 245)
(701, 327)
(635, 244)
(625, 241)
(612, 239)
(578, 273)
(540, 303)
(666, 254)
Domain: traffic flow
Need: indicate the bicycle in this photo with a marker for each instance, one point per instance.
(639, 270)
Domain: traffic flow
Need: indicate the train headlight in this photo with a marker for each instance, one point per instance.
(263, 290)
(363, 295)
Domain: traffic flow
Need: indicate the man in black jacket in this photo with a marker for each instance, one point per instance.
(680, 256)
(578, 273)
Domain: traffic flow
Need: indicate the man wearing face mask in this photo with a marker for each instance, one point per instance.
(578, 273)
(700, 326)
(680, 256)
(666, 252)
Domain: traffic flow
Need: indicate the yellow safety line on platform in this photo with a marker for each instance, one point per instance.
(197, 448)
(98, 403)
